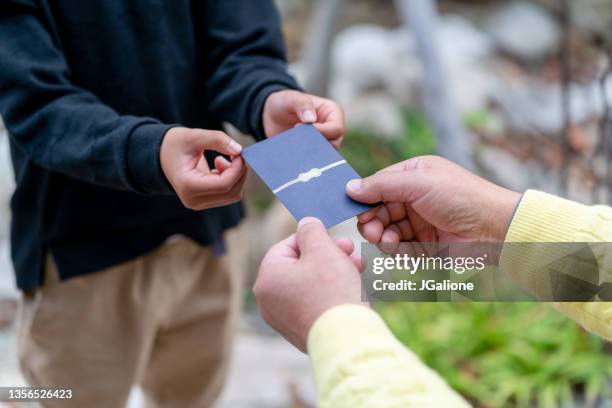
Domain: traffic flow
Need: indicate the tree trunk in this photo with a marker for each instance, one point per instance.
(421, 16)
(316, 52)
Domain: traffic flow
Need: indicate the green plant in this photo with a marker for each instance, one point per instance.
(418, 138)
(368, 152)
(479, 120)
(259, 198)
(504, 354)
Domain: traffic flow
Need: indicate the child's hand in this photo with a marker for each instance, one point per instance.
(183, 162)
(286, 109)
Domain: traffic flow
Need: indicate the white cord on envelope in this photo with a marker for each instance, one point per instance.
(307, 176)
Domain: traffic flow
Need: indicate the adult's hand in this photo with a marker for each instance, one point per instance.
(430, 199)
(286, 109)
(184, 165)
(302, 277)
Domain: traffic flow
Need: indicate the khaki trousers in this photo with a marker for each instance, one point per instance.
(164, 321)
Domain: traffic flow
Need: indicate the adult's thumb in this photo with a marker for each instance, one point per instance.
(390, 186)
(311, 234)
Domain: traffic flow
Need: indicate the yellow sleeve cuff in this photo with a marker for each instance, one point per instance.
(354, 319)
(541, 217)
(544, 218)
(337, 337)
(358, 363)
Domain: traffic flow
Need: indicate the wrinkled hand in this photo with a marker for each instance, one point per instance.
(302, 277)
(430, 199)
(184, 165)
(284, 110)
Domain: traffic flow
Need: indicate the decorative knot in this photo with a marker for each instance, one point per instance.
(309, 175)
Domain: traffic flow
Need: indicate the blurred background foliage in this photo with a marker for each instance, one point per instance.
(368, 153)
(505, 354)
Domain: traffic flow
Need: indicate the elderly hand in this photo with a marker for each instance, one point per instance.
(431, 199)
(284, 110)
(302, 277)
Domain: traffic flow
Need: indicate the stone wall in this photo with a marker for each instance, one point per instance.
(502, 73)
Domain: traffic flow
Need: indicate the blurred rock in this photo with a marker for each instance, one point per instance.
(592, 16)
(580, 186)
(376, 113)
(366, 57)
(583, 139)
(535, 106)
(546, 180)
(472, 87)
(405, 81)
(465, 51)
(524, 30)
(503, 168)
(588, 16)
(508, 170)
(600, 166)
(461, 42)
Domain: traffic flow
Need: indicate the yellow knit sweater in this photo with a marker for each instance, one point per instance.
(358, 363)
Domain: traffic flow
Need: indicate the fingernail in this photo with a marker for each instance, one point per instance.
(309, 220)
(235, 147)
(309, 116)
(354, 185)
(224, 160)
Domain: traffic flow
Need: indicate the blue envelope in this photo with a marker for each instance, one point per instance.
(307, 174)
